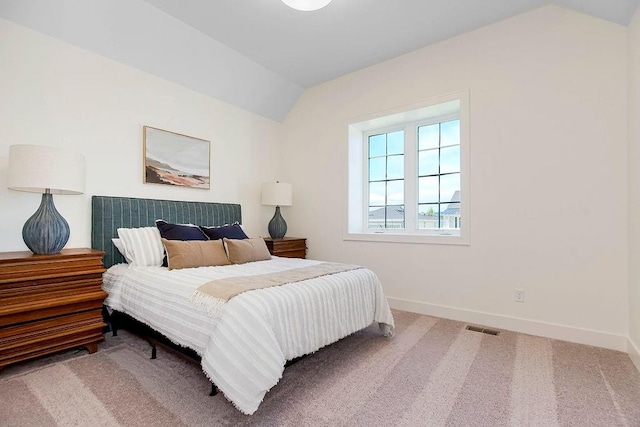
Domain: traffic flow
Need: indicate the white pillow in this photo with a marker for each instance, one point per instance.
(120, 247)
(142, 246)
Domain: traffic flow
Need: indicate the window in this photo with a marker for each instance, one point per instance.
(408, 174)
(439, 175)
(386, 180)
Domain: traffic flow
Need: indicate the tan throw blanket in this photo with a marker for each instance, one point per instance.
(212, 295)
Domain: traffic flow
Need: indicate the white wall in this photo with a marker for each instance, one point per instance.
(634, 188)
(548, 176)
(56, 94)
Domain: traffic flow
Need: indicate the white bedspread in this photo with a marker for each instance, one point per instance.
(244, 348)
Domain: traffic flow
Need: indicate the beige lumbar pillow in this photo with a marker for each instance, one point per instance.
(240, 251)
(194, 253)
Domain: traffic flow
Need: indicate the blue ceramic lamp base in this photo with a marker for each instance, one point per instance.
(46, 232)
(277, 225)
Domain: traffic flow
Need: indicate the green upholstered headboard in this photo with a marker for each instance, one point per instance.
(110, 213)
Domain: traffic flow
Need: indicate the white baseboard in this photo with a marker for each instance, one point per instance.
(532, 327)
(634, 353)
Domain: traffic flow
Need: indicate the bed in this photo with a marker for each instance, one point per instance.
(244, 343)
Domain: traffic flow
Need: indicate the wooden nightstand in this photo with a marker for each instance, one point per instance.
(289, 247)
(50, 303)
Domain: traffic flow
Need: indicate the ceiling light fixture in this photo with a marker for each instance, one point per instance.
(306, 5)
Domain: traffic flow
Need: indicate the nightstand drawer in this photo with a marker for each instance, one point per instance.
(86, 335)
(50, 307)
(14, 273)
(45, 330)
(289, 247)
(291, 253)
(11, 293)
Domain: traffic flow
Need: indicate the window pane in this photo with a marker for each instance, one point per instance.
(395, 217)
(395, 192)
(429, 209)
(428, 162)
(450, 159)
(450, 215)
(449, 188)
(450, 133)
(376, 217)
(428, 189)
(395, 142)
(428, 137)
(377, 192)
(428, 216)
(395, 167)
(377, 145)
(389, 217)
(377, 167)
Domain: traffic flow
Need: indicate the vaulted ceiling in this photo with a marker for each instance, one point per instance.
(261, 55)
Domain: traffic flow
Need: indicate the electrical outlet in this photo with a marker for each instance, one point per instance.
(519, 295)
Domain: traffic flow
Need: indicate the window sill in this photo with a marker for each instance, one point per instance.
(408, 238)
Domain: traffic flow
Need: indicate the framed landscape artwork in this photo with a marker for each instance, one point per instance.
(174, 159)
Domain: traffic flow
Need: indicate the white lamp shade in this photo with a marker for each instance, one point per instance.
(306, 5)
(277, 194)
(34, 168)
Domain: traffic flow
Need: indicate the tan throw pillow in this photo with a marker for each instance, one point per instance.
(240, 251)
(194, 253)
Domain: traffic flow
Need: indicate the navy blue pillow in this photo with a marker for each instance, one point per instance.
(178, 232)
(233, 231)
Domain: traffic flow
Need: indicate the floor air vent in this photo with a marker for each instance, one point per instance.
(483, 330)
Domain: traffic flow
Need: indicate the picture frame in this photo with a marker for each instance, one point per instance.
(175, 159)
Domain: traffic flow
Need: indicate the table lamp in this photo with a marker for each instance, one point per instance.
(49, 171)
(277, 194)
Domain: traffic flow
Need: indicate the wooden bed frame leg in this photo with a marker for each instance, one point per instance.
(153, 350)
(214, 390)
(111, 320)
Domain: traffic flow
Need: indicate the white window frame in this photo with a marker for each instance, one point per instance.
(433, 110)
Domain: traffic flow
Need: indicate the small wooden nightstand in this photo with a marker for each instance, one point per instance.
(50, 303)
(289, 247)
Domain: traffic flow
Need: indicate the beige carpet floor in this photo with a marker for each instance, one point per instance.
(432, 373)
